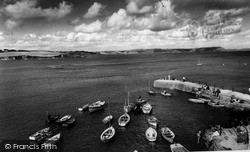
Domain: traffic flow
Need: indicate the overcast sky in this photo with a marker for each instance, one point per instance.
(96, 25)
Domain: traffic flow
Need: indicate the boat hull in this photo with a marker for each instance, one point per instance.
(124, 120)
(146, 108)
(178, 148)
(107, 134)
(151, 134)
(169, 136)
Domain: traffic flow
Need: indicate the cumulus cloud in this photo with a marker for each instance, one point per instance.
(133, 8)
(27, 9)
(75, 21)
(120, 19)
(94, 10)
(89, 28)
(11, 24)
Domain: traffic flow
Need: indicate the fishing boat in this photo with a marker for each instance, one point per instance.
(176, 147)
(124, 119)
(52, 140)
(63, 119)
(107, 119)
(69, 123)
(37, 135)
(150, 92)
(152, 121)
(166, 94)
(140, 100)
(127, 107)
(108, 133)
(83, 108)
(196, 100)
(199, 63)
(151, 134)
(146, 108)
(167, 134)
(52, 118)
(98, 105)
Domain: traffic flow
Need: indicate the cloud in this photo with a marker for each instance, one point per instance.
(133, 8)
(120, 19)
(75, 21)
(11, 24)
(94, 10)
(89, 28)
(27, 9)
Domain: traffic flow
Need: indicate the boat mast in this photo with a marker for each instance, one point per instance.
(109, 113)
(128, 98)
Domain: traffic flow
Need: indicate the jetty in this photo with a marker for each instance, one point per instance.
(231, 99)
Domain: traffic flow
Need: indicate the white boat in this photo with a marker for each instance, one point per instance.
(146, 108)
(167, 134)
(127, 107)
(64, 119)
(98, 105)
(152, 121)
(107, 119)
(151, 134)
(216, 105)
(39, 133)
(196, 100)
(166, 94)
(150, 92)
(124, 120)
(107, 134)
(178, 148)
(52, 140)
(83, 108)
(199, 63)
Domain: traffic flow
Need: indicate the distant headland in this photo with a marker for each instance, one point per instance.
(12, 54)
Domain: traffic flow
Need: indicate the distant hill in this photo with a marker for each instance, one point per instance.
(6, 54)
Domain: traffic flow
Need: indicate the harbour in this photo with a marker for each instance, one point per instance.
(65, 84)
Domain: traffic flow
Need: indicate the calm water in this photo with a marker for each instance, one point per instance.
(28, 88)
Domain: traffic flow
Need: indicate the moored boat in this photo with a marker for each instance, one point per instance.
(52, 140)
(69, 123)
(196, 100)
(140, 100)
(83, 108)
(146, 108)
(176, 147)
(98, 105)
(39, 134)
(167, 134)
(166, 94)
(151, 134)
(107, 134)
(152, 121)
(52, 118)
(107, 119)
(64, 119)
(124, 120)
(216, 105)
(150, 92)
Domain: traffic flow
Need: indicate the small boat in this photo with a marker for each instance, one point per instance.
(167, 134)
(52, 140)
(140, 100)
(70, 122)
(63, 119)
(127, 107)
(152, 121)
(107, 134)
(216, 105)
(98, 105)
(196, 100)
(150, 92)
(124, 120)
(52, 118)
(178, 148)
(107, 119)
(146, 108)
(83, 108)
(166, 94)
(151, 134)
(199, 63)
(37, 135)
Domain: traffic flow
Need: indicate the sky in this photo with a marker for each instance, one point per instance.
(107, 25)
